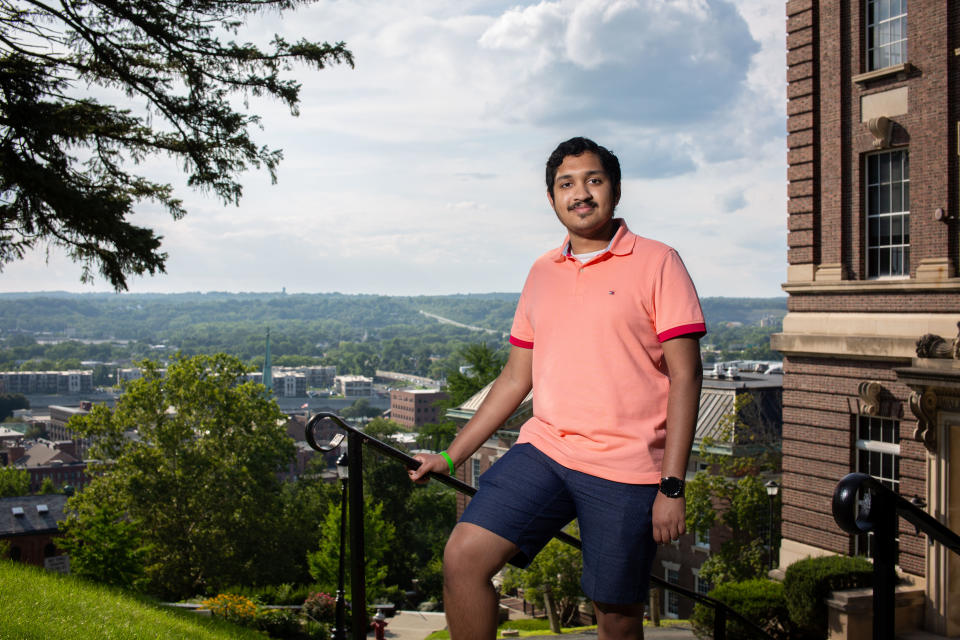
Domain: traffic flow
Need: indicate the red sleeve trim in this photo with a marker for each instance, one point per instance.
(697, 330)
(523, 344)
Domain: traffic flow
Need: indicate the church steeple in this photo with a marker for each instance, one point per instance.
(268, 367)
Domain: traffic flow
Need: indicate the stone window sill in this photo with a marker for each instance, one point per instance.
(899, 70)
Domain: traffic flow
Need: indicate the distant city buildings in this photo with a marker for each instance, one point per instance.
(415, 407)
(351, 386)
(286, 382)
(46, 382)
(43, 459)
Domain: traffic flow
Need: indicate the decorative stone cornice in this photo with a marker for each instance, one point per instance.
(880, 128)
(923, 404)
(931, 345)
(870, 397)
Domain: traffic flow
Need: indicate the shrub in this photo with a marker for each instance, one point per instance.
(279, 623)
(237, 609)
(761, 601)
(280, 594)
(321, 607)
(808, 582)
(317, 630)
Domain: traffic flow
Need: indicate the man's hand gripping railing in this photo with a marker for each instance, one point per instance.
(408, 461)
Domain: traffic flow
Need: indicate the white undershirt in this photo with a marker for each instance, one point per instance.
(584, 257)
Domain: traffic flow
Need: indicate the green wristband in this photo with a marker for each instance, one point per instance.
(453, 469)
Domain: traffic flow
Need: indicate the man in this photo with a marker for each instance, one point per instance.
(607, 334)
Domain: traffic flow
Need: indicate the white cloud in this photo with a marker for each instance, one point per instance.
(421, 170)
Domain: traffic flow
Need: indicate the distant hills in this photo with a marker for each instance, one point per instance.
(151, 316)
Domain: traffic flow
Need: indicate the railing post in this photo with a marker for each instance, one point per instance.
(358, 581)
(719, 623)
(884, 517)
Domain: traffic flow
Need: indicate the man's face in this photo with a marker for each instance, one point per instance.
(584, 197)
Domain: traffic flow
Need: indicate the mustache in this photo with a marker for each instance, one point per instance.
(577, 203)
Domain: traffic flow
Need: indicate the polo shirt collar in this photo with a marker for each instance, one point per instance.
(621, 243)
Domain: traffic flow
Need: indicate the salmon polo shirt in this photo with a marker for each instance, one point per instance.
(600, 382)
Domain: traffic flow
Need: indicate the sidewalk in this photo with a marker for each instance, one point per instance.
(413, 625)
(675, 632)
(417, 625)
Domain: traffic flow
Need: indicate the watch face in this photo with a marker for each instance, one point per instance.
(672, 487)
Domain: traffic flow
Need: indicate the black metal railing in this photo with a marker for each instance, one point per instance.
(356, 439)
(862, 504)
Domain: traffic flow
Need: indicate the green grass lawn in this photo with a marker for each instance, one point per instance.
(36, 604)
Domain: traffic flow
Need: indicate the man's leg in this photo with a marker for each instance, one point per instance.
(471, 558)
(619, 621)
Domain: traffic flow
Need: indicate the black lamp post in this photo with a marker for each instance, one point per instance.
(772, 489)
(343, 472)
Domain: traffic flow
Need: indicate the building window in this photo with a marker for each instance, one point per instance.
(672, 604)
(878, 455)
(475, 472)
(700, 585)
(886, 33)
(888, 214)
(702, 541)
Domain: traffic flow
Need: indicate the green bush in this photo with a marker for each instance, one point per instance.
(761, 601)
(279, 623)
(317, 630)
(808, 582)
(278, 594)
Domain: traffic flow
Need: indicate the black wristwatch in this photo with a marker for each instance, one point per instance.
(672, 487)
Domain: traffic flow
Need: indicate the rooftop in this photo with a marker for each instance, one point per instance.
(24, 515)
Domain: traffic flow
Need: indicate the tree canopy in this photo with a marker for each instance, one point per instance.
(66, 155)
(732, 493)
(199, 480)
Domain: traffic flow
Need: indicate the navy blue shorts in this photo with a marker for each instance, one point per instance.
(526, 498)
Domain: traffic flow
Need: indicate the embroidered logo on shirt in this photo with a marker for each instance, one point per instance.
(610, 292)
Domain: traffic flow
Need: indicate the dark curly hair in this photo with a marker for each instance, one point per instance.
(577, 146)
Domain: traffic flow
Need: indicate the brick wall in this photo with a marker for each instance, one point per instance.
(827, 142)
(802, 139)
(877, 302)
(820, 405)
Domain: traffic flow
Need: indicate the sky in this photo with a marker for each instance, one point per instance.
(420, 171)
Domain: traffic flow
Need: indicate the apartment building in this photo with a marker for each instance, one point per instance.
(414, 407)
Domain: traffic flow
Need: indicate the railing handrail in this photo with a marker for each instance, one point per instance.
(882, 506)
(358, 436)
(845, 511)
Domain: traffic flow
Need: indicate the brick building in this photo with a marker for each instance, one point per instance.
(45, 459)
(30, 524)
(414, 407)
(872, 141)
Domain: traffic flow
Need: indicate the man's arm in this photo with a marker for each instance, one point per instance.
(686, 374)
(508, 391)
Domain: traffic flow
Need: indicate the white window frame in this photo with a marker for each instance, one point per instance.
(885, 22)
(874, 194)
(671, 599)
(700, 586)
(475, 472)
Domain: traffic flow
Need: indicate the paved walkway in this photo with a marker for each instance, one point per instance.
(675, 632)
(417, 625)
(413, 625)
